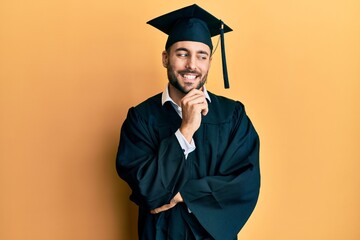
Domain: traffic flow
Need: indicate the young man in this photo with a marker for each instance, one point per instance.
(190, 157)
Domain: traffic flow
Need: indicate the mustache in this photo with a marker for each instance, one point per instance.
(189, 71)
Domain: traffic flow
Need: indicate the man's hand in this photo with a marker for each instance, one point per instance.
(193, 105)
(168, 206)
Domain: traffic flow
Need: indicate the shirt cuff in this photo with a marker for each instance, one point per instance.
(186, 147)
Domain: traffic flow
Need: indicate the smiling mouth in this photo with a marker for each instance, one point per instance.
(189, 76)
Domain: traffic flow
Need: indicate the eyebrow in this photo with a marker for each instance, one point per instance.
(187, 50)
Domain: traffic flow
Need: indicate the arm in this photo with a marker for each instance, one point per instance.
(223, 203)
(194, 105)
(143, 162)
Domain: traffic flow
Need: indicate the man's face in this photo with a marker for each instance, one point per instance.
(187, 65)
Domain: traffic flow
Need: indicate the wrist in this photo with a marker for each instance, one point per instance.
(188, 134)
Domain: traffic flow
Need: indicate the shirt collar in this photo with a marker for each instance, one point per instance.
(166, 96)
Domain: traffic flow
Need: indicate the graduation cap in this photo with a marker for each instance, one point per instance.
(192, 23)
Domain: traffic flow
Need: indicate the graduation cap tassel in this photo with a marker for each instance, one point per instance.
(223, 56)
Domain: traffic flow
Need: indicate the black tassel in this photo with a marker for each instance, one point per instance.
(223, 56)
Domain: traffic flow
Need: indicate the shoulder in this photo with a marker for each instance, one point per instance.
(224, 102)
(150, 111)
(223, 109)
(149, 104)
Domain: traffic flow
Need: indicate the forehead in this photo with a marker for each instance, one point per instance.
(190, 46)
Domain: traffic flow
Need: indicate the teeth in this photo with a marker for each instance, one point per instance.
(190, 77)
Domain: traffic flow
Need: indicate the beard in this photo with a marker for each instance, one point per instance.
(174, 81)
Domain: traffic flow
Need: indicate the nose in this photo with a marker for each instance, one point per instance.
(191, 63)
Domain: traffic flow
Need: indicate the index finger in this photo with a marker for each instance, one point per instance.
(194, 92)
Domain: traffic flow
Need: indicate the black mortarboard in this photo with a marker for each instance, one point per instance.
(193, 23)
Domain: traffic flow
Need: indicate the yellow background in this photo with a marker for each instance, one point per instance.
(69, 70)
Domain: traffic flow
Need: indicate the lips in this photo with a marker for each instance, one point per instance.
(189, 76)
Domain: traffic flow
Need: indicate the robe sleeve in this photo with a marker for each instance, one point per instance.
(223, 203)
(154, 170)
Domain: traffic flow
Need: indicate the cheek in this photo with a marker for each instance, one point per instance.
(205, 67)
(178, 65)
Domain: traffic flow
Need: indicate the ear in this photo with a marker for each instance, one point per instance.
(165, 59)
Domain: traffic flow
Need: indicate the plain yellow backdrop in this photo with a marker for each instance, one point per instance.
(69, 70)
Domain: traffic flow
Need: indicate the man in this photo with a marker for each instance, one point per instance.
(190, 157)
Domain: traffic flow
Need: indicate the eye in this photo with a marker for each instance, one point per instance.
(182, 54)
(203, 56)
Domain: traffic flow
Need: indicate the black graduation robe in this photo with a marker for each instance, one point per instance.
(219, 181)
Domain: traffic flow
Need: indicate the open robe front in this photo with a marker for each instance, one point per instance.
(219, 181)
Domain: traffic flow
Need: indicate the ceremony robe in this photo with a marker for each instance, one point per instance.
(219, 181)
